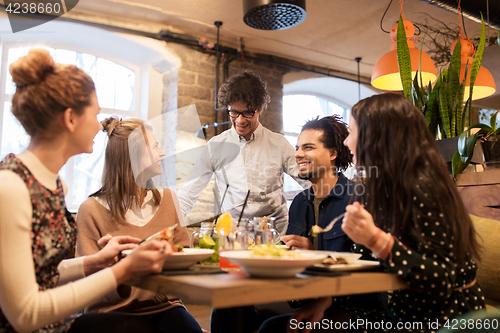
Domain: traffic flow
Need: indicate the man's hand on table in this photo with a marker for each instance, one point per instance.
(295, 242)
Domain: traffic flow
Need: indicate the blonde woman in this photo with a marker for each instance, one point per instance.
(129, 204)
(39, 291)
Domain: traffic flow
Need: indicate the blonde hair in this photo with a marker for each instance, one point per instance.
(119, 188)
(45, 89)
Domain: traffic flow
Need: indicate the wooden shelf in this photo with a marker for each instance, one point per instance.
(489, 177)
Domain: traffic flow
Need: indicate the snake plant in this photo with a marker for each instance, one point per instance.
(442, 104)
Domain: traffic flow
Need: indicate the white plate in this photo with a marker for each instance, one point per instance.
(358, 265)
(183, 260)
(270, 266)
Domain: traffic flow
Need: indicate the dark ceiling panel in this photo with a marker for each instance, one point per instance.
(473, 8)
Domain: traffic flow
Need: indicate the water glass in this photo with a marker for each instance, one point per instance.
(235, 240)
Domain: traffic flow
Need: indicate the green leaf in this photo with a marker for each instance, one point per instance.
(461, 143)
(443, 105)
(454, 68)
(470, 143)
(476, 63)
(418, 93)
(483, 127)
(432, 109)
(493, 121)
(460, 108)
(404, 60)
(457, 166)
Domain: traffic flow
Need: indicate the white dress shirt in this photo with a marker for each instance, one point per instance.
(256, 165)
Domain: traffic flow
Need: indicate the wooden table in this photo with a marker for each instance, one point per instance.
(232, 290)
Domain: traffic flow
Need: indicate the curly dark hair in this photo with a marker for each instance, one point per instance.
(334, 133)
(246, 88)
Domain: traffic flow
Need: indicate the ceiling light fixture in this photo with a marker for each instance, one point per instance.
(484, 85)
(386, 75)
(273, 14)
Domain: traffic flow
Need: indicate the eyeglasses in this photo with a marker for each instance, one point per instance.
(235, 114)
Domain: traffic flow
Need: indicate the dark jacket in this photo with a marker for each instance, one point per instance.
(301, 216)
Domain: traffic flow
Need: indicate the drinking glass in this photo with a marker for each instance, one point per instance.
(264, 230)
(236, 240)
(207, 238)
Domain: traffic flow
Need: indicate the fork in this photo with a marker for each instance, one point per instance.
(157, 235)
(331, 224)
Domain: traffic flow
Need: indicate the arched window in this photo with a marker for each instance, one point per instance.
(298, 109)
(116, 90)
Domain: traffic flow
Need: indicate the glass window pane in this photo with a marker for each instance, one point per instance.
(14, 138)
(66, 57)
(87, 63)
(125, 85)
(297, 109)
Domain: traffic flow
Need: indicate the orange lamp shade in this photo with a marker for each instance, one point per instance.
(386, 75)
(484, 85)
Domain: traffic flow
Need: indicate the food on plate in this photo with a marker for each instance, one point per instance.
(334, 261)
(274, 251)
(168, 235)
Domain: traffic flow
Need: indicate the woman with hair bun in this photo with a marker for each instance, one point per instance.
(39, 290)
(129, 204)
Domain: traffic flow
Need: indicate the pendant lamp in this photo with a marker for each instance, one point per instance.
(386, 75)
(484, 85)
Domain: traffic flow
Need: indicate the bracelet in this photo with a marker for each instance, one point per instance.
(377, 254)
(388, 249)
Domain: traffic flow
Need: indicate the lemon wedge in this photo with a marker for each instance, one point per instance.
(225, 223)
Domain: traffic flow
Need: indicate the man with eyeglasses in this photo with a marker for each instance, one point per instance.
(247, 157)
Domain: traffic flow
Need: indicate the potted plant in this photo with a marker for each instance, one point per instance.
(442, 104)
(489, 137)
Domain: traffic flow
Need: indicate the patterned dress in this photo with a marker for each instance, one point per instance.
(53, 235)
(440, 288)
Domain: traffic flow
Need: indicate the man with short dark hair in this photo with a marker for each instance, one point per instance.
(321, 157)
(247, 157)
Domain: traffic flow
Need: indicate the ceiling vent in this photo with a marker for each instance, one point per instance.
(273, 14)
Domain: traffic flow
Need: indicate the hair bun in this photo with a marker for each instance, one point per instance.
(32, 68)
(109, 124)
